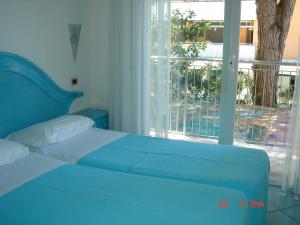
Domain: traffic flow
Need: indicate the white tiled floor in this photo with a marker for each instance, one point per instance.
(283, 208)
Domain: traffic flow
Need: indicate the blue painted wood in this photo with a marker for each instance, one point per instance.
(93, 113)
(102, 123)
(100, 116)
(28, 95)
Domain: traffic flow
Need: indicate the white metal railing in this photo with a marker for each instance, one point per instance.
(195, 101)
(215, 51)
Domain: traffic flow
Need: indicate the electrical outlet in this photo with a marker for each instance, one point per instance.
(74, 81)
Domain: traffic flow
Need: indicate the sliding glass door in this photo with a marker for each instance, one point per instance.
(203, 67)
(265, 87)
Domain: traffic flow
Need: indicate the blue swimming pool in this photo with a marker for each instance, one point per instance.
(252, 125)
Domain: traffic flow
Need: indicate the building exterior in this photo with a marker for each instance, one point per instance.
(213, 11)
(293, 39)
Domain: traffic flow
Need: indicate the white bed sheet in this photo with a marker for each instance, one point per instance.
(24, 170)
(74, 148)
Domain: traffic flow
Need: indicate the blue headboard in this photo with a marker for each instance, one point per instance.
(28, 95)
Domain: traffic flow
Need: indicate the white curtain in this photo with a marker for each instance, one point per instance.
(160, 67)
(291, 176)
(136, 83)
(129, 65)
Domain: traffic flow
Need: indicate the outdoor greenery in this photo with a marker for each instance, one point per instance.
(197, 80)
(195, 90)
(192, 79)
(188, 37)
(188, 40)
(195, 85)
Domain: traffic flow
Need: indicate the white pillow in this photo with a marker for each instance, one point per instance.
(52, 131)
(11, 151)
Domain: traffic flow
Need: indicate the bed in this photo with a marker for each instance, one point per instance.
(237, 168)
(38, 190)
(226, 167)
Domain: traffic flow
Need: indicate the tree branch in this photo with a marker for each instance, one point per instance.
(284, 13)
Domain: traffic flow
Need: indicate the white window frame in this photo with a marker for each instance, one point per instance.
(230, 70)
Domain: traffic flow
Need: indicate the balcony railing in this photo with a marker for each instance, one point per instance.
(215, 51)
(195, 87)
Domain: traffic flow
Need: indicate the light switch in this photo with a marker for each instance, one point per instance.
(74, 81)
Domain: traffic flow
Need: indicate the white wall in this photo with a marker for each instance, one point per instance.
(100, 53)
(38, 31)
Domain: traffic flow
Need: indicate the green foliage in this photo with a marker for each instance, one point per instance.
(188, 37)
(203, 83)
(245, 87)
(195, 80)
(187, 80)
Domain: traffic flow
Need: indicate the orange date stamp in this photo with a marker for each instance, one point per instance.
(248, 204)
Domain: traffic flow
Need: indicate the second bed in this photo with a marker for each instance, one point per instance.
(246, 170)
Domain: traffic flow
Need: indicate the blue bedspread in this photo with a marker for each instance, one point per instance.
(238, 168)
(78, 195)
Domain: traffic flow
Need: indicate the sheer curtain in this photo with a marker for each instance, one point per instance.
(160, 67)
(138, 95)
(291, 176)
